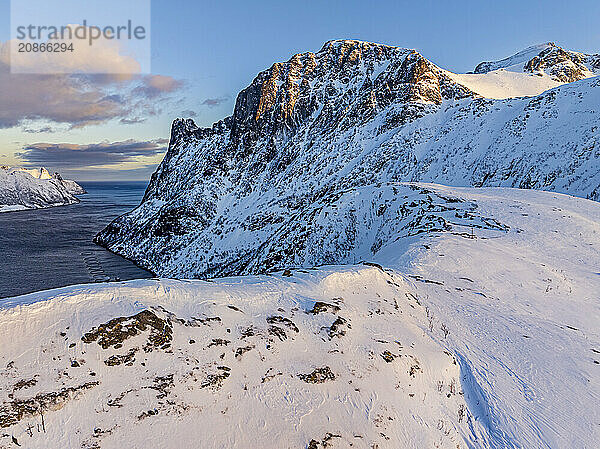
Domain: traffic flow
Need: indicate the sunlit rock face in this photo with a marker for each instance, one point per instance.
(285, 180)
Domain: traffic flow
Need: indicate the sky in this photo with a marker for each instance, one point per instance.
(108, 127)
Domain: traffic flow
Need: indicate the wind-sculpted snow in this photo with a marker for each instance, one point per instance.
(22, 189)
(522, 313)
(331, 358)
(473, 326)
(354, 116)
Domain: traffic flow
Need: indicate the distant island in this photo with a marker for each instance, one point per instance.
(22, 189)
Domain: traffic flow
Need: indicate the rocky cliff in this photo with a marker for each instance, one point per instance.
(316, 145)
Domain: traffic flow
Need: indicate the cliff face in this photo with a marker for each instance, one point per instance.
(343, 76)
(310, 136)
(344, 85)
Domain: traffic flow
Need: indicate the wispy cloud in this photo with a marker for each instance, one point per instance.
(214, 102)
(132, 121)
(155, 86)
(189, 113)
(140, 173)
(74, 156)
(40, 130)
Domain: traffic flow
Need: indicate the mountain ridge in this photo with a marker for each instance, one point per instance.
(562, 66)
(322, 128)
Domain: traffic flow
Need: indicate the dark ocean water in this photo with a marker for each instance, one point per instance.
(50, 248)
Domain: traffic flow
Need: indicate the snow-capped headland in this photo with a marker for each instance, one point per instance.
(22, 189)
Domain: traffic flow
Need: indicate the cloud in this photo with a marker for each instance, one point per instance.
(105, 56)
(42, 130)
(214, 102)
(141, 173)
(157, 85)
(74, 156)
(132, 121)
(189, 113)
(79, 100)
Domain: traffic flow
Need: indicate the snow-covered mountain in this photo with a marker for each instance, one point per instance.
(530, 72)
(475, 325)
(22, 189)
(516, 62)
(449, 317)
(72, 187)
(302, 173)
(548, 59)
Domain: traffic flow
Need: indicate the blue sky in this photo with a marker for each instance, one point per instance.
(205, 52)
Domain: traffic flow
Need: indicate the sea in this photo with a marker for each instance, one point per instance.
(49, 248)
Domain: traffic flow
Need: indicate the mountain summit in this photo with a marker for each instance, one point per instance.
(548, 59)
(308, 138)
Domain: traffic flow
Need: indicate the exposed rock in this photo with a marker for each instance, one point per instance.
(117, 330)
(282, 320)
(388, 356)
(308, 165)
(338, 328)
(320, 307)
(14, 411)
(318, 376)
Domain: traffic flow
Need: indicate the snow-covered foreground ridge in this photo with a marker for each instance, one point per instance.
(478, 329)
(310, 133)
(22, 189)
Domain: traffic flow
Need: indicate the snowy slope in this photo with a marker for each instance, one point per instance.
(335, 356)
(523, 312)
(22, 189)
(238, 363)
(321, 126)
(501, 84)
(514, 62)
(507, 78)
(529, 72)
